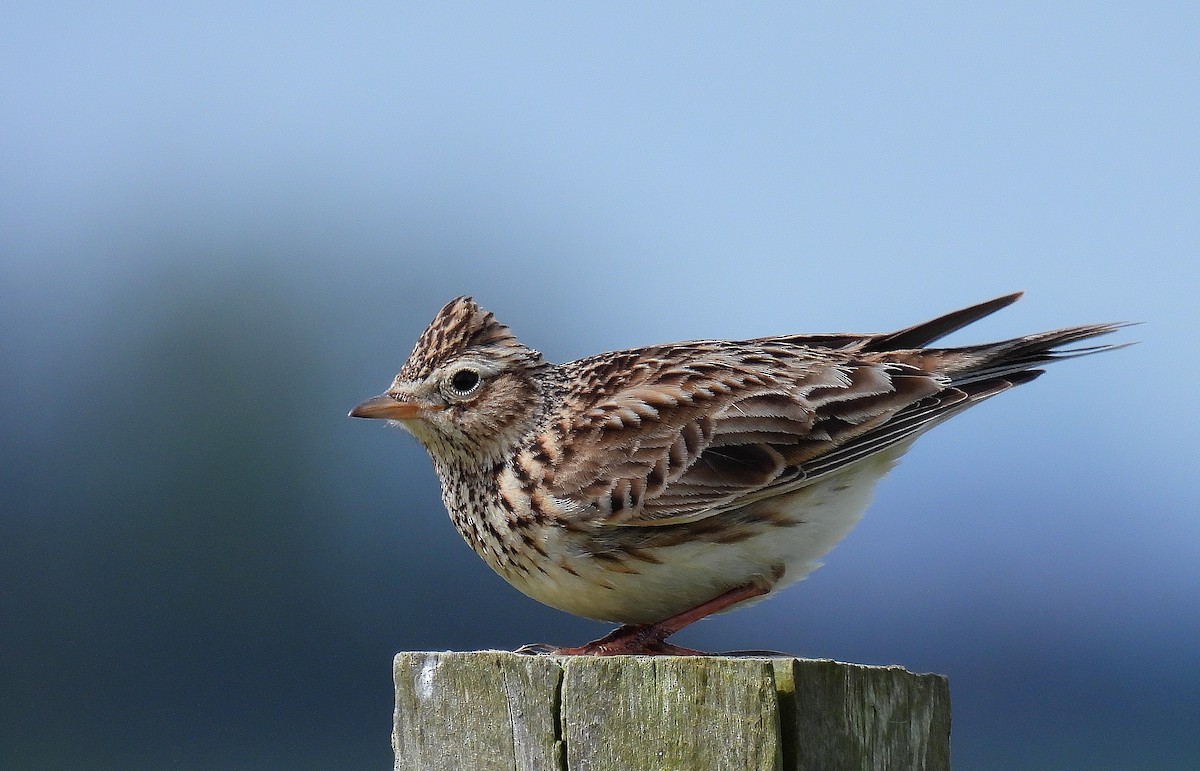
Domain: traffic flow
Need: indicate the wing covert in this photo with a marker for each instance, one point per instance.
(682, 437)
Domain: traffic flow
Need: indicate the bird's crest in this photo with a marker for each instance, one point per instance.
(462, 326)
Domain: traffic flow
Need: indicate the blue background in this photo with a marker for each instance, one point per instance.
(222, 226)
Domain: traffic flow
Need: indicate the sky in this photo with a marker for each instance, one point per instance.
(223, 225)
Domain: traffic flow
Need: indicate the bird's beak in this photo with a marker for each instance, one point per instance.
(388, 407)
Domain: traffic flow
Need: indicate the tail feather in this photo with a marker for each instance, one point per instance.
(980, 362)
(921, 335)
(969, 374)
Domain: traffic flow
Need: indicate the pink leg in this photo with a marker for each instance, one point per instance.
(649, 639)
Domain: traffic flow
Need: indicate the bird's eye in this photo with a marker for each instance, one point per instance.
(464, 381)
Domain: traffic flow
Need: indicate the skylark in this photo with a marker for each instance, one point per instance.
(655, 486)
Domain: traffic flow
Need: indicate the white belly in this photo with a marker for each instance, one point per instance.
(692, 572)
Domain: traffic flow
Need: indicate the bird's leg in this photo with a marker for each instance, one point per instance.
(650, 639)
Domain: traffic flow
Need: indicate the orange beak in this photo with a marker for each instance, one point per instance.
(387, 407)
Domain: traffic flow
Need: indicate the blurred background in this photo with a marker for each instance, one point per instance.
(223, 226)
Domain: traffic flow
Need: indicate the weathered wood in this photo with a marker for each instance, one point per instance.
(499, 710)
(850, 716)
(658, 712)
(486, 710)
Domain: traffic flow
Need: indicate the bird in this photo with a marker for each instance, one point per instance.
(655, 486)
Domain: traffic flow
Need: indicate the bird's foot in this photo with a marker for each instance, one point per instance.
(650, 639)
(627, 640)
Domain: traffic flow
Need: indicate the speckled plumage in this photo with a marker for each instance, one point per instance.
(655, 485)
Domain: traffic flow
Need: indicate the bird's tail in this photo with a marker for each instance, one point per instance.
(1022, 357)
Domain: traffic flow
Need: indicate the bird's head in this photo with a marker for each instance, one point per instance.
(468, 390)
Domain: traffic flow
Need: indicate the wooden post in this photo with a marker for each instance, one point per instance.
(498, 710)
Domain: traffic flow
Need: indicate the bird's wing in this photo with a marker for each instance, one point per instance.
(688, 431)
(677, 433)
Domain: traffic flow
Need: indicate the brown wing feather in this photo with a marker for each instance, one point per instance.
(678, 433)
(675, 438)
